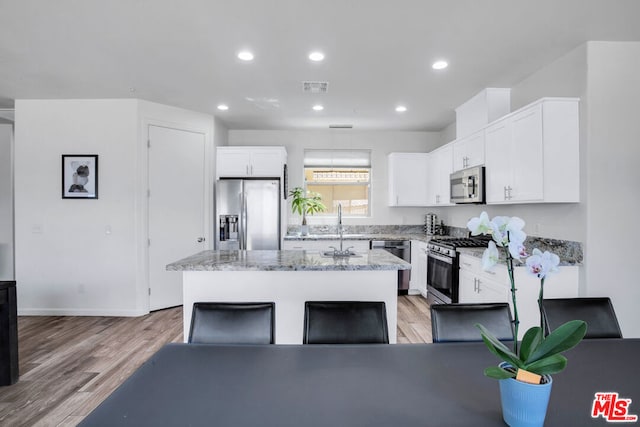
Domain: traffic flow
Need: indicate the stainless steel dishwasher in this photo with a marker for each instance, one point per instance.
(401, 249)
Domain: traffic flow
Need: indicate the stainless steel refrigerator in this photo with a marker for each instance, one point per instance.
(248, 214)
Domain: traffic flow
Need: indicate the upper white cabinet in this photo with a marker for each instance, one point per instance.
(440, 167)
(265, 162)
(488, 105)
(468, 151)
(408, 176)
(532, 155)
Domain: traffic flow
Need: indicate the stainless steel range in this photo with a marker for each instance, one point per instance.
(442, 267)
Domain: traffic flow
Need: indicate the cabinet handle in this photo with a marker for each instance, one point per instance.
(479, 289)
(397, 200)
(493, 273)
(246, 168)
(475, 285)
(251, 169)
(466, 264)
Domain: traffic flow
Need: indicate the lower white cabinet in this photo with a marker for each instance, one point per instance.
(325, 245)
(476, 285)
(479, 286)
(418, 282)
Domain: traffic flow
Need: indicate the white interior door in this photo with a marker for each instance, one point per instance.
(176, 208)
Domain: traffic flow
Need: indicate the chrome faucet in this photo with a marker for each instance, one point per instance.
(341, 251)
(340, 231)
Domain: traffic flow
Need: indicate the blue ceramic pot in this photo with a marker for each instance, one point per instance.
(523, 404)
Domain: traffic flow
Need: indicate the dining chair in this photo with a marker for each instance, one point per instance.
(345, 322)
(232, 323)
(597, 312)
(456, 322)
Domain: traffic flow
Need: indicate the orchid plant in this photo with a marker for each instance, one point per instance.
(537, 355)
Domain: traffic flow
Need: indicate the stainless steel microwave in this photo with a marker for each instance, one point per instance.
(467, 185)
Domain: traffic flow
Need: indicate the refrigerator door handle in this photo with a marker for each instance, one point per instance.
(243, 218)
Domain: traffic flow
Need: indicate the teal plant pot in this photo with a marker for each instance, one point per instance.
(523, 404)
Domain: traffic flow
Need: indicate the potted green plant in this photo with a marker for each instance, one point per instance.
(305, 203)
(525, 373)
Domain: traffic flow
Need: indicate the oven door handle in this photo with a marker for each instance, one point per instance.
(441, 258)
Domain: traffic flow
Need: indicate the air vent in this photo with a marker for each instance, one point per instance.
(315, 87)
(340, 126)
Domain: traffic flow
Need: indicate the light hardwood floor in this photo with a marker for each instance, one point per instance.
(68, 365)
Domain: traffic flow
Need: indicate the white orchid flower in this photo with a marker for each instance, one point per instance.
(517, 249)
(514, 227)
(498, 232)
(490, 256)
(479, 225)
(540, 264)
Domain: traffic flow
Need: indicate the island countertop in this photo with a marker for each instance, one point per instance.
(287, 260)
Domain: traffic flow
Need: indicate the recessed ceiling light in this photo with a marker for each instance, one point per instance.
(401, 108)
(245, 55)
(318, 107)
(440, 65)
(316, 56)
(223, 107)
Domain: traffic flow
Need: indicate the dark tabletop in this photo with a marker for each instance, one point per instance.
(355, 385)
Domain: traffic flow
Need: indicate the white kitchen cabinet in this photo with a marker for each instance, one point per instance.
(488, 105)
(418, 281)
(468, 151)
(325, 245)
(257, 162)
(408, 177)
(440, 168)
(532, 155)
(478, 286)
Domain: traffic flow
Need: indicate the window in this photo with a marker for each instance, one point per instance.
(340, 176)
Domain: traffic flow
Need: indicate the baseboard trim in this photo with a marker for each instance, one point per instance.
(79, 312)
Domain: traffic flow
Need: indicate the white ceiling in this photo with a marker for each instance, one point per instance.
(378, 53)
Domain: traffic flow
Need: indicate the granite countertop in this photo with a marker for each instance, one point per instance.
(295, 260)
(364, 236)
(567, 257)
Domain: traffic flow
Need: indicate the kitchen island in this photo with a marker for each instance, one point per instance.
(289, 278)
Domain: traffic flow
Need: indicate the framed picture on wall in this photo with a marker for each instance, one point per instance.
(79, 176)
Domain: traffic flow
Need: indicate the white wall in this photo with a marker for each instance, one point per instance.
(66, 262)
(379, 142)
(6, 201)
(613, 177)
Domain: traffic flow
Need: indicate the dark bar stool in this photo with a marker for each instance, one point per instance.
(345, 322)
(456, 322)
(8, 334)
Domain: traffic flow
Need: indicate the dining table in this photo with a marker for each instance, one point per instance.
(440, 384)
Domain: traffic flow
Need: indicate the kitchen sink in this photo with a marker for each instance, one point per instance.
(340, 254)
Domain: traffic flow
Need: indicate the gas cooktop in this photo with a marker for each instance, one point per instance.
(462, 242)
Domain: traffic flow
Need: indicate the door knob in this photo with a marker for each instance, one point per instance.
(201, 239)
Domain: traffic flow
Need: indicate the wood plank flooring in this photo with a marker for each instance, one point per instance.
(68, 365)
